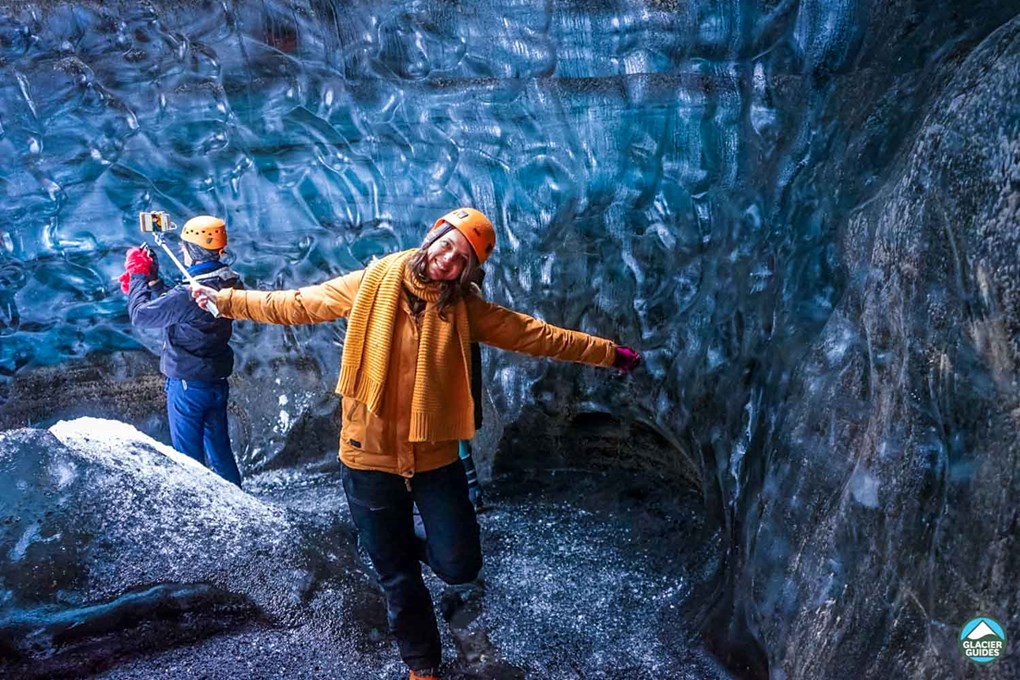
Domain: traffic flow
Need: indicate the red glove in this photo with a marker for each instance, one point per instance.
(138, 261)
(626, 359)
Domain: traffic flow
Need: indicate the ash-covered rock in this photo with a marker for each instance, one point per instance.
(114, 544)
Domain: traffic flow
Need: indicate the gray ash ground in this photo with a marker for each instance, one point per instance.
(587, 575)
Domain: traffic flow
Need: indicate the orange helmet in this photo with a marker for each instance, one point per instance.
(475, 226)
(206, 231)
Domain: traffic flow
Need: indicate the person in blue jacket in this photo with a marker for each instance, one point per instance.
(196, 357)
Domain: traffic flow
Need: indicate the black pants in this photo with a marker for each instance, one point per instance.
(382, 510)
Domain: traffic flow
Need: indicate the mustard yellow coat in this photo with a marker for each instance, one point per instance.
(380, 442)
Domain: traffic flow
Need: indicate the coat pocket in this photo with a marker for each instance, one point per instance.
(360, 429)
(352, 427)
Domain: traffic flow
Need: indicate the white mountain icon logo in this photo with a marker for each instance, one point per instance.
(980, 631)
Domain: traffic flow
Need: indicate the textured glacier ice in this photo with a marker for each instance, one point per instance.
(699, 180)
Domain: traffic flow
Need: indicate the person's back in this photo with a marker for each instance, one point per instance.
(195, 345)
(196, 357)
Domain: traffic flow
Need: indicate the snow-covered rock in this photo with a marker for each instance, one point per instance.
(111, 541)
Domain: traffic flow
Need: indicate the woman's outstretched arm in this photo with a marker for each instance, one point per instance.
(313, 304)
(507, 329)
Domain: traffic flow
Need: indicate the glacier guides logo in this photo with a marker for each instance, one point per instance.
(982, 640)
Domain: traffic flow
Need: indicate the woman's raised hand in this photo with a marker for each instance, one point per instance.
(626, 359)
(204, 296)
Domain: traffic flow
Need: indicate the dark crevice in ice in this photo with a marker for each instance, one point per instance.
(592, 440)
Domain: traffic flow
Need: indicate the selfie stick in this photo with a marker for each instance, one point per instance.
(210, 306)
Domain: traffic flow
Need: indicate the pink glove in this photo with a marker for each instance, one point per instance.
(626, 359)
(138, 261)
(125, 281)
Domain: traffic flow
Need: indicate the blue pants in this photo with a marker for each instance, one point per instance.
(197, 410)
(382, 509)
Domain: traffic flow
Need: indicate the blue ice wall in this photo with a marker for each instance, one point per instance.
(632, 157)
(649, 167)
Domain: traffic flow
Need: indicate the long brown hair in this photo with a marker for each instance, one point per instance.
(451, 292)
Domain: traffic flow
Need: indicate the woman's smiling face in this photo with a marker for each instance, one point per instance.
(447, 257)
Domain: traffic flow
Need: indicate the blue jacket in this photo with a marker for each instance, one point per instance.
(195, 343)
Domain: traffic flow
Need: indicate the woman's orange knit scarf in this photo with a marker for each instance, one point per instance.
(441, 404)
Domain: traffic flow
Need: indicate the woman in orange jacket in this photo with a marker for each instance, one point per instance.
(406, 387)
